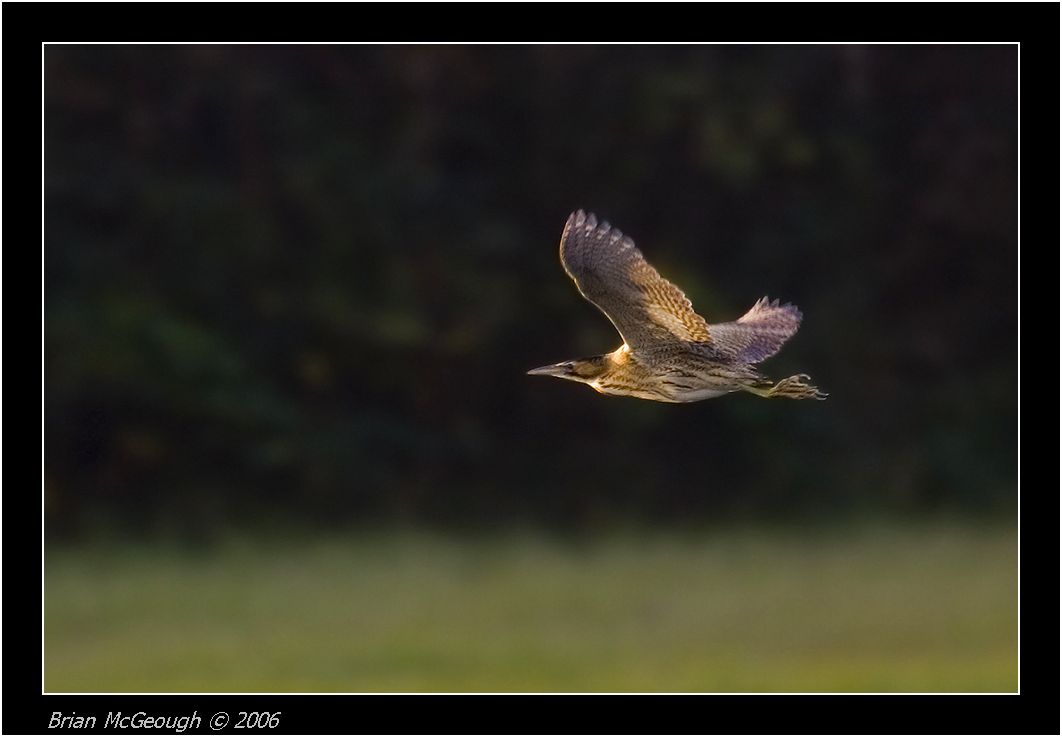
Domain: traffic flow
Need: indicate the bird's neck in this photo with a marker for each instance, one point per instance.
(618, 357)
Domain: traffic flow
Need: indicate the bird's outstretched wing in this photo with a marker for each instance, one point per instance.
(611, 272)
(759, 333)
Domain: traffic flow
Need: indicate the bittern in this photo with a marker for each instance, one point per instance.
(669, 352)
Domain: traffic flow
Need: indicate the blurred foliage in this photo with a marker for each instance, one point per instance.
(304, 283)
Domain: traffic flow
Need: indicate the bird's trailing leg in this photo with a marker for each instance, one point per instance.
(795, 387)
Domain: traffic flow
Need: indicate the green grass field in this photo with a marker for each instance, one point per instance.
(872, 609)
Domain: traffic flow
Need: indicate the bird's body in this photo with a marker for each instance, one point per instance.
(669, 352)
(666, 376)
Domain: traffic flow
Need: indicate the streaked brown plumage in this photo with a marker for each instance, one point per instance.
(669, 352)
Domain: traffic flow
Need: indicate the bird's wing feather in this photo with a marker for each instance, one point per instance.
(612, 273)
(759, 333)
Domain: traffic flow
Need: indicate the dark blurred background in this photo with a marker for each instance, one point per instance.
(291, 294)
(300, 286)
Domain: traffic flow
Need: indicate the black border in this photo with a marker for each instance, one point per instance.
(1033, 712)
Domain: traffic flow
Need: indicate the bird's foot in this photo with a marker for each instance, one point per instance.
(796, 387)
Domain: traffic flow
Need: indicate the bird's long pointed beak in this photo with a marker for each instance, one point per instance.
(554, 369)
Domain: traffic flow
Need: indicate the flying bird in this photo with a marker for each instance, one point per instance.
(669, 352)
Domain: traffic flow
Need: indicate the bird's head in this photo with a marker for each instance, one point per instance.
(578, 369)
